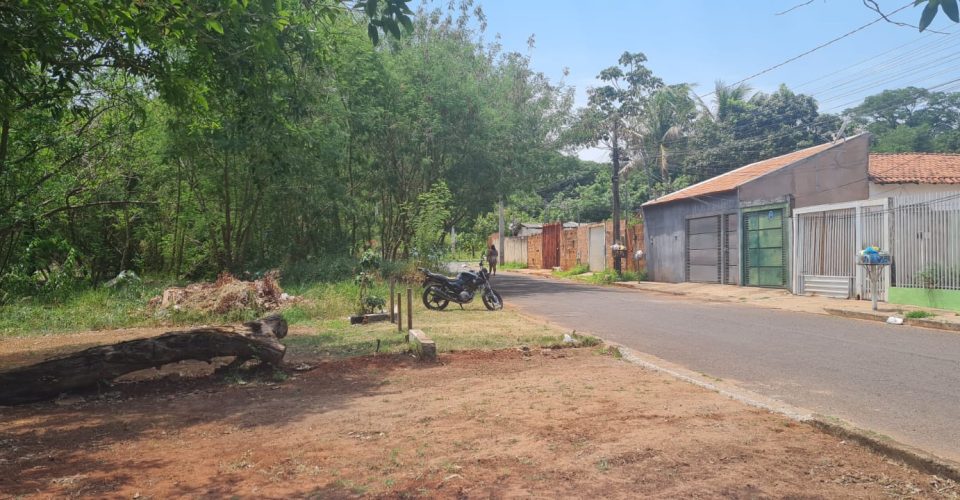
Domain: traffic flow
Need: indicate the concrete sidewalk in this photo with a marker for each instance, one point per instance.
(781, 299)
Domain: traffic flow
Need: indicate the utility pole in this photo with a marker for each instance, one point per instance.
(500, 243)
(616, 194)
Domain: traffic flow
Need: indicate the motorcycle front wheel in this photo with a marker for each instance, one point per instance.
(492, 299)
(433, 299)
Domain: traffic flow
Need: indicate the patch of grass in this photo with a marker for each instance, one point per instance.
(279, 376)
(455, 329)
(102, 309)
(711, 377)
(574, 271)
(92, 309)
(920, 314)
(331, 300)
(512, 265)
(606, 350)
(608, 276)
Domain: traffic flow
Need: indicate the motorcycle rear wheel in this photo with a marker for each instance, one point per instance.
(433, 299)
(492, 300)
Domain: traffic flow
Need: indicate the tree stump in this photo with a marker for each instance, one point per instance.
(48, 379)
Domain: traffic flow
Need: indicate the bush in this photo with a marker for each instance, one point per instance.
(403, 271)
(325, 269)
(609, 276)
(920, 314)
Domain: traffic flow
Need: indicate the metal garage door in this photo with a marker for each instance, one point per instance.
(766, 259)
(731, 250)
(598, 256)
(703, 249)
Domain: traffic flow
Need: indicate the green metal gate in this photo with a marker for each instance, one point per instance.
(765, 259)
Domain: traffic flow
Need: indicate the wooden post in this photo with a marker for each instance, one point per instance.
(409, 309)
(399, 313)
(392, 314)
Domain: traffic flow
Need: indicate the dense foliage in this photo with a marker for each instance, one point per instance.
(187, 138)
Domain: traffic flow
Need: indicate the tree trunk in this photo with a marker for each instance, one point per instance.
(48, 379)
(615, 180)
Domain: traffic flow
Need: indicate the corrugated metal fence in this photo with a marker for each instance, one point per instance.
(515, 249)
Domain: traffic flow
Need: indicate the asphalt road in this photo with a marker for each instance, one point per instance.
(899, 381)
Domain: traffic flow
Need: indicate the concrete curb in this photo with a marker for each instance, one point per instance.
(913, 457)
(634, 286)
(423, 346)
(908, 455)
(878, 316)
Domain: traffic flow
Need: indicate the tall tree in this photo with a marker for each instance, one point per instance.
(623, 97)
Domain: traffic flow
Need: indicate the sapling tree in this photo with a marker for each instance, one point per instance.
(367, 269)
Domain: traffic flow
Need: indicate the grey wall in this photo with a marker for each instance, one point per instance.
(664, 232)
(835, 175)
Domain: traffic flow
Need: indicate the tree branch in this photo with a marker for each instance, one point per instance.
(872, 5)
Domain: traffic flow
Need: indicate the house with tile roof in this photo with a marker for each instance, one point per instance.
(913, 213)
(895, 174)
(798, 221)
(735, 228)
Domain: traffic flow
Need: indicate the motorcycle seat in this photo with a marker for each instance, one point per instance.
(439, 277)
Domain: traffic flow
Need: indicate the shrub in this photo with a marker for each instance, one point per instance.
(608, 276)
(574, 271)
(920, 314)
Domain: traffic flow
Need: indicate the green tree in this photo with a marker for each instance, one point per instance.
(910, 119)
(667, 119)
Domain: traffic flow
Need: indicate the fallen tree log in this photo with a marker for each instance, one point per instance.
(48, 379)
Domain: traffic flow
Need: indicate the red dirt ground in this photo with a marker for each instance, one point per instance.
(552, 423)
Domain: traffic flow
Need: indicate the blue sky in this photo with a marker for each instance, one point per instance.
(700, 41)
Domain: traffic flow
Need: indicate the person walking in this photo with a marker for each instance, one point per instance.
(493, 258)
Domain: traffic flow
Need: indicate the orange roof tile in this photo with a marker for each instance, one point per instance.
(914, 168)
(736, 178)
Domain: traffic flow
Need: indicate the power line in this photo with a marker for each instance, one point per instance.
(818, 47)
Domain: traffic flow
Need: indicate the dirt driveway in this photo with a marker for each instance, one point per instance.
(549, 423)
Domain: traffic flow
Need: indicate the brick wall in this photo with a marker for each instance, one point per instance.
(535, 251)
(568, 248)
(632, 238)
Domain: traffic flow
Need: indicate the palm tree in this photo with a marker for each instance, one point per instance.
(667, 118)
(727, 97)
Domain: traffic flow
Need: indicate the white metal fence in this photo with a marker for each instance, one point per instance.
(826, 241)
(926, 241)
(921, 232)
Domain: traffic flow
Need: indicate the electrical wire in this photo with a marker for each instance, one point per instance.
(808, 52)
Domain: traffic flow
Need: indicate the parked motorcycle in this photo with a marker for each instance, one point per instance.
(441, 290)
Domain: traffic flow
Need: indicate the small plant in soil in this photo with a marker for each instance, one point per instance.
(920, 314)
(366, 271)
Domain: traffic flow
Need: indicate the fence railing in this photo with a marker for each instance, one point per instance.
(827, 239)
(926, 241)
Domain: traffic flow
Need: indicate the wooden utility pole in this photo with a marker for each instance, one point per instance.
(392, 310)
(399, 312)
(616, 193)
(502, 236)
(409, 309)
